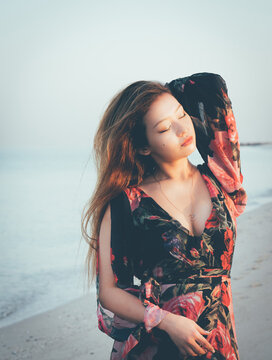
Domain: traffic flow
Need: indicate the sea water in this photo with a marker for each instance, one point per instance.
(42, 197)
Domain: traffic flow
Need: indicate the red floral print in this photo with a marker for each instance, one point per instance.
(194, 253)
(180, 273)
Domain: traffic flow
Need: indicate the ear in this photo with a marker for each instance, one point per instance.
(144, 151)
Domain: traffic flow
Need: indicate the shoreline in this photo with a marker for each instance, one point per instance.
(70, 331)
(38, 286)
(20, 318)
(256, 204)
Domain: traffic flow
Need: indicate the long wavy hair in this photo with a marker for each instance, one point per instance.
(120, 134)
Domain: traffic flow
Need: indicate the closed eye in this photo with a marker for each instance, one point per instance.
(181, 117)
(165, 130)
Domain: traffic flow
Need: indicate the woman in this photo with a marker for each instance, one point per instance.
(164, 230)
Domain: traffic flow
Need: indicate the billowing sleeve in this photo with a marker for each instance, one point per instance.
(204, 97)
(126, 334)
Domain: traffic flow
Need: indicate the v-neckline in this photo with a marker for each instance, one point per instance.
(176, 220)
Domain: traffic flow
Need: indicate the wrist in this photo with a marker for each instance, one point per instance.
(154, 316)
(165, 322)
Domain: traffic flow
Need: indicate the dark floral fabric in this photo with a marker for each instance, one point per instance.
(156, 259)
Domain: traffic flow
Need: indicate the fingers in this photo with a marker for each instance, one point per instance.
(204, 342)
(191, 350)
(186, 350)
(197, 345)
(196, 349)
(202, 331)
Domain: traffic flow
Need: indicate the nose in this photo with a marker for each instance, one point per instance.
(182, 133)
(181, 130)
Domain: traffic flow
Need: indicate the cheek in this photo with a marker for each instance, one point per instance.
(155, 141)
(159, 144)
(191, 126)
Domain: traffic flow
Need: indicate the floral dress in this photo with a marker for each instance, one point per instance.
(155, 258)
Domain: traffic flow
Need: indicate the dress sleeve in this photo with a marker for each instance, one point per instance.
(126, 333)
(204, 97)
(120, 263)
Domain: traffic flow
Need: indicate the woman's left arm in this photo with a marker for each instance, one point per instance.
(204, 97)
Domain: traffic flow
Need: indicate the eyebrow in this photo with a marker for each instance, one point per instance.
(166, 117)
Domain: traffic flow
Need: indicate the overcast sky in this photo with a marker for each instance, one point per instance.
(62, 61)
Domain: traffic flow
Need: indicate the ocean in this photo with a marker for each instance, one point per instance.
(42, 197)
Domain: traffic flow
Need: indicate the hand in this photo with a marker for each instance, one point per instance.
(186, 334)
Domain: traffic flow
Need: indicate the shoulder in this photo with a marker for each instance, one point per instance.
(208, 174)
(119, 202)
(134, 195)
(127, 200)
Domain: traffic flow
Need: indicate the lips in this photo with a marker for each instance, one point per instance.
(187, 141)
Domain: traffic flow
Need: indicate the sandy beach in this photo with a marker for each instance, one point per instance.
(70, 331)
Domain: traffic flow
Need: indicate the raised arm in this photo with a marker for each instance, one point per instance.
(204, 97)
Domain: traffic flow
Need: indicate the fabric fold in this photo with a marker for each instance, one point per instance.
(182, 274)
(204, 97)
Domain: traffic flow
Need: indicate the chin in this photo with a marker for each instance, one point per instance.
(188, 150)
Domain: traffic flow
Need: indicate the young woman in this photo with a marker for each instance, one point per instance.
(164, 230)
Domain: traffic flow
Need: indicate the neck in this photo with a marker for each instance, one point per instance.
(181, 170)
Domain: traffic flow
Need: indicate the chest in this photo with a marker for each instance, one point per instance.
(189, 204)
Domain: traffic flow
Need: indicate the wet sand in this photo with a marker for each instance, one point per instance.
(70, 331)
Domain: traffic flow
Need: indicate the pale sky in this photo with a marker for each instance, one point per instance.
(62, 61)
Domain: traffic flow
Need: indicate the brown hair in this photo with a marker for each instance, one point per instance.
(120, 134)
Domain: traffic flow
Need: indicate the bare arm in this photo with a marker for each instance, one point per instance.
(183, 331)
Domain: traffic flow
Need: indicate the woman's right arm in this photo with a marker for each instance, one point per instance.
(183, 331)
